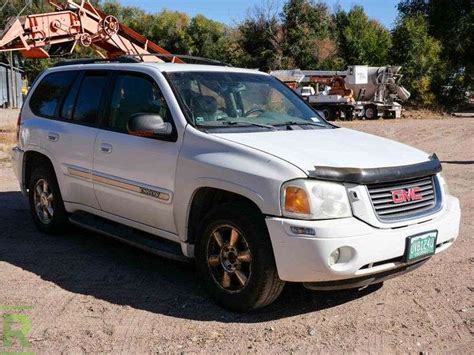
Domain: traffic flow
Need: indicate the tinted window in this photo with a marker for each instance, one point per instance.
(134, 94)
(89, 98)
(68, 105)
(50, 92)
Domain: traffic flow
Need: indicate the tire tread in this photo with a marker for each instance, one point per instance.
(60, 221)
(252, 219)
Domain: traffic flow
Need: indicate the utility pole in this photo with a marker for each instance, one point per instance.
(13, 102)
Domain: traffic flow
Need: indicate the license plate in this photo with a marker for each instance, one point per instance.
(420, 246)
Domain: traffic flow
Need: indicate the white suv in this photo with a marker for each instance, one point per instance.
(231, 168)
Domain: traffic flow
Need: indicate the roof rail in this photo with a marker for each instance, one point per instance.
(138, 58)
(179, 56)
(125, 59)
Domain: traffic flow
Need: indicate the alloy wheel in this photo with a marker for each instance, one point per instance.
(44, 201)
(229, 258)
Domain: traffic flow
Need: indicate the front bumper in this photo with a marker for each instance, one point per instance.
(375, 251)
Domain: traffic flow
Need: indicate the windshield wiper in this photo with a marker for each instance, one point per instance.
(234, 123)
(298, 123)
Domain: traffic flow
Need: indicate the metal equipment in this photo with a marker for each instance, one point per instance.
(360, 91)
(58, 33)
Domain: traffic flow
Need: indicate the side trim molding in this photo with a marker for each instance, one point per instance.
(162, 195)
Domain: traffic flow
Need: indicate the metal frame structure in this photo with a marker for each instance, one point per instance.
(58, 33)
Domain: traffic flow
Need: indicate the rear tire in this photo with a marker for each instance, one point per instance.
(348, 114)
(371, 112)
(329, 113)
(46, 203)
(234, 257)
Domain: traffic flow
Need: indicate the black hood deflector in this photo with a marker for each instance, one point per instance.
(377, 175)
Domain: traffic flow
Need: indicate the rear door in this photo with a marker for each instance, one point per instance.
(134, 176)
(71, 102)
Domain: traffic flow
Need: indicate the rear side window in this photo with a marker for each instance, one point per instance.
(70, 101)
(50, 92)
(89, 98)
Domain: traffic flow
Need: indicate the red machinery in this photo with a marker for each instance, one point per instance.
(57, 33)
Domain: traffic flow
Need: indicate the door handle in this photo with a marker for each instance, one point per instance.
(53, 137)
(106, 148)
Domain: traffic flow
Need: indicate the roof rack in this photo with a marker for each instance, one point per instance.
(179, 56)
(125, 59)
(137, 58)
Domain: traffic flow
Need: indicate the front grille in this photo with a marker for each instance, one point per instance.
(387, 210)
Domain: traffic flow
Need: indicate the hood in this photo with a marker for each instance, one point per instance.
(340, 148)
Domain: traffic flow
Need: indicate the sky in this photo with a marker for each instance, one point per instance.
(232, 11)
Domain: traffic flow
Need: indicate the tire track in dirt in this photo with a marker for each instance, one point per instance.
(45, 316)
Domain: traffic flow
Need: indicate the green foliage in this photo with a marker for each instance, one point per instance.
(432, 40)
(419, 53)
(260, 39)
(174, 31)
(169, 29)
(308, 33)
(208, 38)
(451, 22)
(13, 8)
(34, 67)
(362, 40)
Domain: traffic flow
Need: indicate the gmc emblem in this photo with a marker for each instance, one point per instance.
(401, 196)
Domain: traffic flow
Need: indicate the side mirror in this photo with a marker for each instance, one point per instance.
(149, 125)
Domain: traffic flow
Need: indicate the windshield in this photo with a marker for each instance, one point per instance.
(218, 99)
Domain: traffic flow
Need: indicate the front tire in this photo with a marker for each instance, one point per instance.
(235, 259)
(46, 203)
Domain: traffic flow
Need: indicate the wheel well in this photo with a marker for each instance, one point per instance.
(31, 161)
(205, 199)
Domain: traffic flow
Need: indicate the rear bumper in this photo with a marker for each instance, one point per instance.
(373, 250)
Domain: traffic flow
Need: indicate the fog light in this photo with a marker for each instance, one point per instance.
(342, 258)
(334, 257)
(303, 231)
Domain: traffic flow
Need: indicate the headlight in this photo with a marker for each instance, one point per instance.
(312, 199)
(443, 183)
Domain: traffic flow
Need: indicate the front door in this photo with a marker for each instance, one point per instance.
(134, 176)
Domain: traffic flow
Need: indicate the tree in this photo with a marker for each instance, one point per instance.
(308, 30)
(362, 40)
(208, 38)
(113, 7)
(260, 39)
(452, 23)
(419, 54)
(410, 8)
(169, 29)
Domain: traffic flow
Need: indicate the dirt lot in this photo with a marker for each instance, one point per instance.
(8, 120)
(91, 294)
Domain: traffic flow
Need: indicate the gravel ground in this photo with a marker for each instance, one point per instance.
(8, 120)
(8, 117)
(91, 294)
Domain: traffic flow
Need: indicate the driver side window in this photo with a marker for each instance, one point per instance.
(132, 94)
